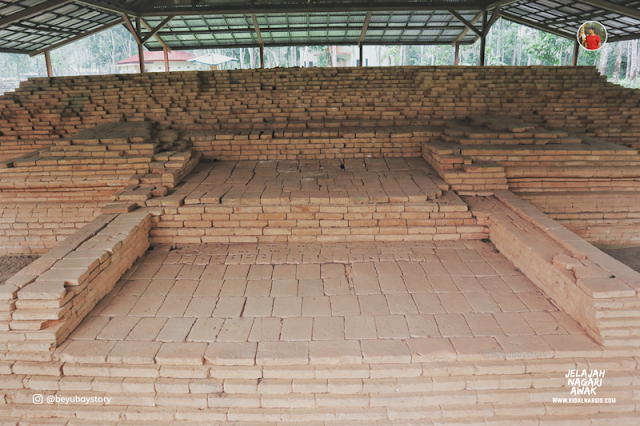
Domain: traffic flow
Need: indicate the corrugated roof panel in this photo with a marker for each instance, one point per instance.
(59, 23)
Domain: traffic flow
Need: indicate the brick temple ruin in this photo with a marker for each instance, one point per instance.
(350, 246)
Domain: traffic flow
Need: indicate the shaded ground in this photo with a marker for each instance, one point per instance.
(9, 265)
(629, 256)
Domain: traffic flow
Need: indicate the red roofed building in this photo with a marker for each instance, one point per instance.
(154, 62)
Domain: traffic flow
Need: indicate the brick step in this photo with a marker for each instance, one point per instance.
(568, 171)
(95, 194)
(212, 395)
(533, 414)
(345, 131)
(465, 134)
(480, 372)
(548, 151)
(570, 162)
(471, 408)
(563, 187)
(64, 183)
(482, 167)
(621, 341)
(441, 368)
(493, 388)
(498, 375)
(502, 123)
(598, 218)
(621, 332)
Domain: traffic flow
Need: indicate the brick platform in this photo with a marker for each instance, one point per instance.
(96, 162)
(486, 153)
(319, 201)
(321, 272)
(316, 114)
(371, 333)
(596, 290)
(335, 300)
(386, 332)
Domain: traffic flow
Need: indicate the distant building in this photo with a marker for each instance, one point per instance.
(154, 62)
(348, 56)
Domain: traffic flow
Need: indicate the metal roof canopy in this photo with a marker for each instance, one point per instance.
(36, 26)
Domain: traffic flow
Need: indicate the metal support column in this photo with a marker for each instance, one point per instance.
(140, 46)
(166, 59)
(261, 56)
(483, 38)
(141, 58)
(456, 54)
(47, 60)
(361, 63)
(576, 53)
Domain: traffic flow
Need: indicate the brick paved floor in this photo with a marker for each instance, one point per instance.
(242, 304)
(356, 180)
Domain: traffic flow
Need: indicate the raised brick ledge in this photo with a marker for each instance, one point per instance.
(599, 292)
(493, 393)
(46, 300)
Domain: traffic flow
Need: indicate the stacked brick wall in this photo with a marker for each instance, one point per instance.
(46, 300)
(599, 292)
(35, 227)
(44, 110)
(602, 217)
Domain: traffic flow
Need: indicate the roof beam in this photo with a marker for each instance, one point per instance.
(312, 7)
(108, 6)
(623, 38)
(494, 17)
(365, 25)
(535, 25)
(466, 29)
(78, 37)
(498, 3)
(31, 11)
(465, 22)
(153, 32)
(286, 29)
(132, 30)
(319, 43)
(614, 7)
(18, 51)
(256, 27)
(156, 36)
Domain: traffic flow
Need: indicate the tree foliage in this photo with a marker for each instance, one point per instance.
(507, 44)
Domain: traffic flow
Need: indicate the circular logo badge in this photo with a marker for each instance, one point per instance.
(592, 35)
